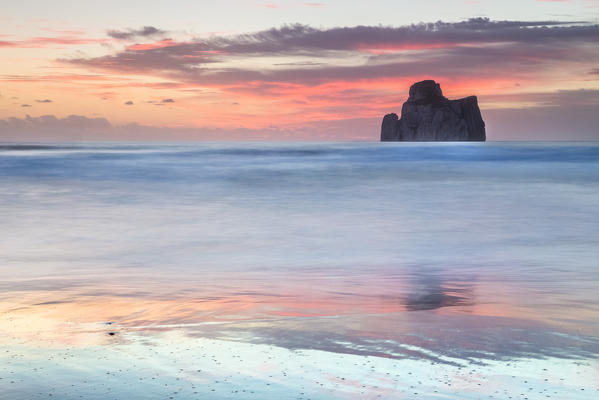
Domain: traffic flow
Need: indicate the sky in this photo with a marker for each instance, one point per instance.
(292, 70)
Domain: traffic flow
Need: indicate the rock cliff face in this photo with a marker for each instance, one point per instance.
(429, 116)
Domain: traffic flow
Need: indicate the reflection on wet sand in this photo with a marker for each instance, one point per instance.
(313, 333)
(418, 314)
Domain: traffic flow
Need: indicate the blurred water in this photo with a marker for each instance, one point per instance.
(473, 251)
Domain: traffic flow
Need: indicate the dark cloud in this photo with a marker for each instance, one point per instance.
(477, 46)
(146, 31)
(300, 63)
(564, 122)
(25, 105)
(129, 103)
(44, 101)
(560, 98)
(49, 127)
(303, 38)
(559, 115)
(161, 102)
(78, 127)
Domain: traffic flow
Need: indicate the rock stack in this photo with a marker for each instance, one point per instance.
(427, 115)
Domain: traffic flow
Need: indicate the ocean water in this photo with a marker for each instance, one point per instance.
(299, 271)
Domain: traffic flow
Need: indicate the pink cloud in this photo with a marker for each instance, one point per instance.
(64, 40)
(59, 78)
(43, 41)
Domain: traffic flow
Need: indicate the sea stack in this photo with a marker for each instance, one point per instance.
(428, 116)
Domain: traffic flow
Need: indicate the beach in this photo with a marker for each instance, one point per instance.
(299, 270)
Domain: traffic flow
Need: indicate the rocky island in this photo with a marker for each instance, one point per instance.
(427, 115)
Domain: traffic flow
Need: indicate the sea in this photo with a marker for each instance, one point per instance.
(299, 270)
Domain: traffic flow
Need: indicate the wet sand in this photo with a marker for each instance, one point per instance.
(171, 364)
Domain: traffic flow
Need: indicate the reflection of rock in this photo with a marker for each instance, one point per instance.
(431, 293)
(432, 301)
(429, 116)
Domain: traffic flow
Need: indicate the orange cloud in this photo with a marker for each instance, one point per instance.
(155, 45)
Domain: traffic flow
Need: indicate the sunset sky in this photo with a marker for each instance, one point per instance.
(292, 70)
